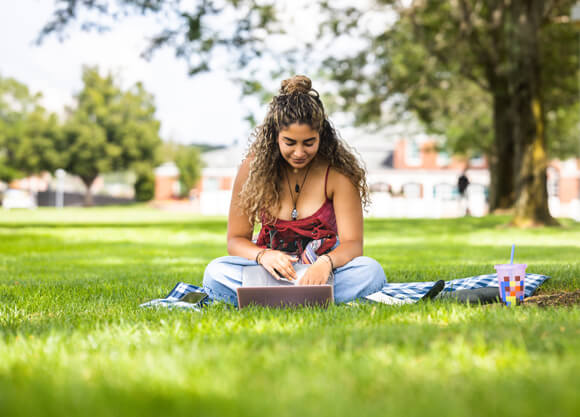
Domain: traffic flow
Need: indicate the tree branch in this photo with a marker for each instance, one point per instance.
(489, 55)
(549, 6)
(498, 15)
(464, 70)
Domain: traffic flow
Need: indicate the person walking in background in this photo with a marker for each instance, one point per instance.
(462, 184)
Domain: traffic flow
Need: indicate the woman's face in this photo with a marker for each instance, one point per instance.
(298, 144)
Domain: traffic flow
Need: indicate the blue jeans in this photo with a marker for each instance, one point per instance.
(358, 278)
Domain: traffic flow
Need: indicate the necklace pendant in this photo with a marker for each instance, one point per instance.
(297, 188)
(294, 214)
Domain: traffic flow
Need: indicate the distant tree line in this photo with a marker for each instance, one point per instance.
(108, 129)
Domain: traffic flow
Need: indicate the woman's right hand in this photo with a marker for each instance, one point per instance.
(279, 264)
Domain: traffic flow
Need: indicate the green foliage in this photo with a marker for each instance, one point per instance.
(110, 129)
(563, 129)
(492, 77)
(561, 75)
(432, 63)
(167, 152)
(74, 342)
(188, 160)
(189, 163)
(144, 183)
(30, 138)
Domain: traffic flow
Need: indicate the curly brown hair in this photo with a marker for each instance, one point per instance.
(297, 102)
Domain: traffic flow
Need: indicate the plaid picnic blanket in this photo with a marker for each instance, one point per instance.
(411, 292)
(175, 298)
(391, 293)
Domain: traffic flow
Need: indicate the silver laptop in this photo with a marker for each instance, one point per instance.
(261, 288)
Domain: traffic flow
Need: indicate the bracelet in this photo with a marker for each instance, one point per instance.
(329, 260)
(259, 255)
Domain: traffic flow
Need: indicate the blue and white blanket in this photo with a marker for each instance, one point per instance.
(391, 293)
(411, 292)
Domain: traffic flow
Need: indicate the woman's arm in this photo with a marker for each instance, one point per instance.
(240, 230)
(349, 221)
(349, 218)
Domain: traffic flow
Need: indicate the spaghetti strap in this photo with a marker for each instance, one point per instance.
(326, 181)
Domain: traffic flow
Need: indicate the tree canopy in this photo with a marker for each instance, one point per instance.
(188, 161)
(497, 77)
(30, 137)
(109, 129)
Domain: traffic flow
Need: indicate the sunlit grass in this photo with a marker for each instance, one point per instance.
(73, 340)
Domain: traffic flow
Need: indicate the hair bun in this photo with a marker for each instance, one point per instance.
(296, 84)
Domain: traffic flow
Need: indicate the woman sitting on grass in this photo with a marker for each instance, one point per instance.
(307, 189)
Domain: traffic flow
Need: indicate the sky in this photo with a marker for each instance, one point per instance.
(203, 109)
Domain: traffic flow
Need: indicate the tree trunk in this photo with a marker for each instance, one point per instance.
(88, 181)
(531, 161)
(501, 193)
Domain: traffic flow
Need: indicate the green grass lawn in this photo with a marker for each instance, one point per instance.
(73, 340)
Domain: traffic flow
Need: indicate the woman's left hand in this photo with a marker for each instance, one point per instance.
(317, 274)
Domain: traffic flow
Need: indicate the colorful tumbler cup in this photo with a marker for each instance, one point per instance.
(511, 279)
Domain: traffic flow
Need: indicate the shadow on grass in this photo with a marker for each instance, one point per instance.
(427, 226)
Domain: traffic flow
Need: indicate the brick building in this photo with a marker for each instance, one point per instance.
(167, 185)
(407, 177)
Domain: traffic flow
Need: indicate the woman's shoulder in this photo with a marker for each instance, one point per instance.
(243, 171)
(246, 163)
(248, 159)
(336, 180)
(335, 174)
